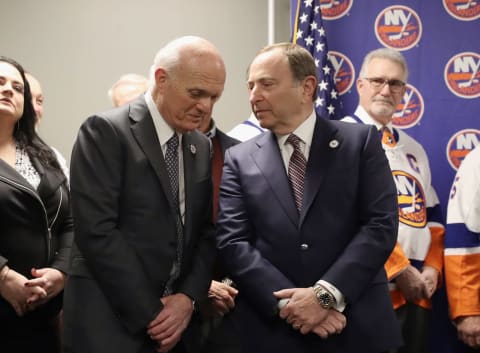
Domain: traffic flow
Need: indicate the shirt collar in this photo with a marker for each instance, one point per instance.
(362, 114)
(213, 131)
(164, 131)
(304, 131)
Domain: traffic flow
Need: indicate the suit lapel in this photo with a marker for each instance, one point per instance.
(325, 143)
(145, 134)
(269, 160)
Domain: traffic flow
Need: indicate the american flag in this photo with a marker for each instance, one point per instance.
(308, 31)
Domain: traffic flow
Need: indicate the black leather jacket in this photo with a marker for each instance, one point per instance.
(36, 227)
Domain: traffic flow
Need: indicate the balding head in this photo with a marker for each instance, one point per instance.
(188, 77)
(37, 96)
(127, 88)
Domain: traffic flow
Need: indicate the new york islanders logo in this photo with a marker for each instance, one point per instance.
(398, 27)
(334, 9)
(410, 110)
(462, 75)
(412, 209)
(460, 144)
(463, 10)
(344, 71)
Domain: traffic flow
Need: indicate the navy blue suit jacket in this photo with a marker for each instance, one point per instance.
(345, 233)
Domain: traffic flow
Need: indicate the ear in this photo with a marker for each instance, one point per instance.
(360, 83)
(309, 85)
(160, 77)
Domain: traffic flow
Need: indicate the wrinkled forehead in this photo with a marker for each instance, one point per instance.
(268, 64)
(384, 67)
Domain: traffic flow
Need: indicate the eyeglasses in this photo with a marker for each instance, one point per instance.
(395, 86)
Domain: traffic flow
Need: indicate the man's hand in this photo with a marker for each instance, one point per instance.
(334, 323)
(430, 277)
(167, 328)
(302, 311)
(221, 298)
(50, 279)
(468, 329)
(305, 314)
(14, 290)
(411, 284)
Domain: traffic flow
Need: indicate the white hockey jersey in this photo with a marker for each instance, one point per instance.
(462, 241)
(421, 232)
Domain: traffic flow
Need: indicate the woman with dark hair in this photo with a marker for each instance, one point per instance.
(36, 228)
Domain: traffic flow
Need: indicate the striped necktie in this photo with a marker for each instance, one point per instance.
(296, 170)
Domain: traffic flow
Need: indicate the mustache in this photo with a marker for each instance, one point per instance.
(384, 100)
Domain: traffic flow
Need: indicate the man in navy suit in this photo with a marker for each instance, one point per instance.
(309, 265)
(145, 246)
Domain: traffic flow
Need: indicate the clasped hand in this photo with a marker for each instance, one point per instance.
(305, 314)
(25, 295)
(416, 285)
(167, 328)
(221, 299)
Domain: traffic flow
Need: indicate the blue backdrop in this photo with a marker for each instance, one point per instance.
(441, 108)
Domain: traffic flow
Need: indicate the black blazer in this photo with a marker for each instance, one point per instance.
(125, 230)
(36, 229)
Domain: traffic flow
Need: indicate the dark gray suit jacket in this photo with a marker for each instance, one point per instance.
(125, 230)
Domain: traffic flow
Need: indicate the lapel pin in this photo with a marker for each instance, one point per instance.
(333, 144)
(193, 149)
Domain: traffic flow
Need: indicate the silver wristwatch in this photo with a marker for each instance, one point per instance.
(324, 297)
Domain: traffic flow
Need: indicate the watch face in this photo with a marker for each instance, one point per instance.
(326, 300)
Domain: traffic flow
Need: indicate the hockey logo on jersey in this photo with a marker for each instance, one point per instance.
(412, 208)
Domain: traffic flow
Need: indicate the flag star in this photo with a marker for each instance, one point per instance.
(326, 70)
(331, 109)
(308, 3)
(334, 94)
(309, 41)
(299, 34)
(304, 18)
(317, 9)
(320, 46)
(317, 62)
(321, 31)
(319, 102)
(323, 85)
(313, 26)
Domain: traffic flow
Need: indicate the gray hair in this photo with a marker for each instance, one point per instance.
(384, 53)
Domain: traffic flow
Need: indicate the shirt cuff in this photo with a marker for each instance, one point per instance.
(340, 303)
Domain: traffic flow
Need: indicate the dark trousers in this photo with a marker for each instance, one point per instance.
(415, 324)
(30, 336)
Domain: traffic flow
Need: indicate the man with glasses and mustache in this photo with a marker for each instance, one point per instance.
(415, 265)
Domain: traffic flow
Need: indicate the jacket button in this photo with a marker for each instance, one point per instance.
(304, 246)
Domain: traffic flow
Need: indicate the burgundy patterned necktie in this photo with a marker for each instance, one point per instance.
(296, 170)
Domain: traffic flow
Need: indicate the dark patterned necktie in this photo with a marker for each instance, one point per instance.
(296, 170)
(171, 160)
